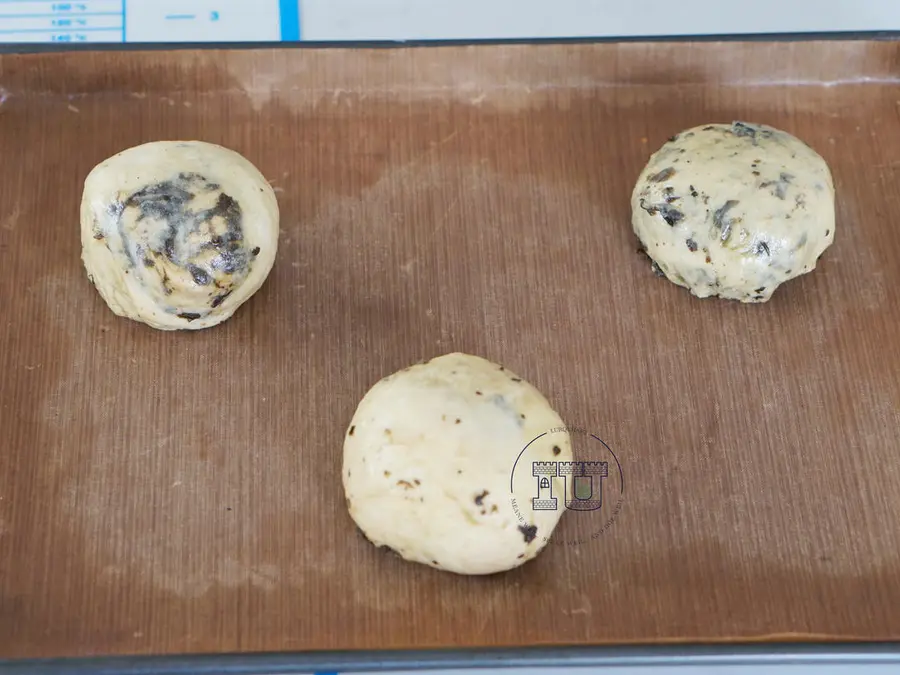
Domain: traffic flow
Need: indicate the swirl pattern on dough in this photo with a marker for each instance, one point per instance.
(178, 234)
(186, 237)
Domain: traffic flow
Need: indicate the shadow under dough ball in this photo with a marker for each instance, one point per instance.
(178, 234)
(735, 210)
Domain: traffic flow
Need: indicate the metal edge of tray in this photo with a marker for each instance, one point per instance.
(596, 658)
(29, 48)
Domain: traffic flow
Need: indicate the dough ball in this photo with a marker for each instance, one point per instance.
(178, 234)
(429, 457)
(734, 210)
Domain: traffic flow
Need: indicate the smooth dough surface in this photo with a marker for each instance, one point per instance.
(734, 210)
(429, 457)
(178, 234)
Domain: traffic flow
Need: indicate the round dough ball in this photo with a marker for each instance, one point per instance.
(429, 457)
(734, 210)
(178, 234)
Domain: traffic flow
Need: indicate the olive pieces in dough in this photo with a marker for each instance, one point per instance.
(734, 210)
(430, 456)
(176, 234)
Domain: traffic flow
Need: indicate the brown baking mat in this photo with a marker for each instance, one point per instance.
(165, 493)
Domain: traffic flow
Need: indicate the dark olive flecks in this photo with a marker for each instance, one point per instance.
(665, 174)
(529, 532)
(721, 221)
(556, 450)
(670, 214)
(744, 130)
(479, 499)
(219, 299)
(691, 244)
(780, 185)
(761, 289)
(693, 191)
(199, 275)
(762, 248)
(352, 429)
(189, 316)
(255, 251)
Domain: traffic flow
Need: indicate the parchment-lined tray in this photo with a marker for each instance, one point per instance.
(169, 493)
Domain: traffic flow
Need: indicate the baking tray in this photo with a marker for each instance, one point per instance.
(180, 493)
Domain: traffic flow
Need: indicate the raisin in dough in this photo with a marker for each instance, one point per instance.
(178, 234)
(734, 210)
(428, 459)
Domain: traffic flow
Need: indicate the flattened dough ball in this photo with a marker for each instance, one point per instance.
(178, 234)
(428, 461)
(734, 210)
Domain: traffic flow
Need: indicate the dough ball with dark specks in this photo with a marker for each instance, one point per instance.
(178, 234)
(734, 210)
(429, 459)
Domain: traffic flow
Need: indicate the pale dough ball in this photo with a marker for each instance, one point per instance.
(429, 459)
(178, 234)
(734, 210)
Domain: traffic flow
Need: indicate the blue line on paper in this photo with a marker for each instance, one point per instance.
(58, 15)
(60, 29)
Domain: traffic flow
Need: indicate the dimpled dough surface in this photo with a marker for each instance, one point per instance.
(178, 234)
(734, 210)
(428, 459)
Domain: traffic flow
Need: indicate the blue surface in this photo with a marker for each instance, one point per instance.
(289, 11)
